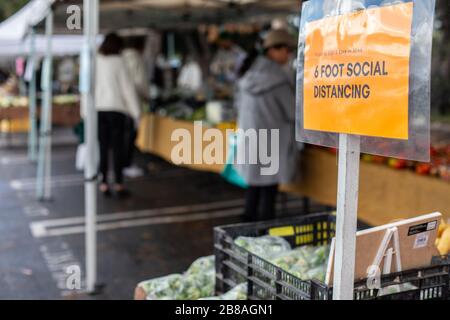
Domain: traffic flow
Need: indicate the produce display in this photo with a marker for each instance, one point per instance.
(310, 262)
(197, 282)
(13, 101)
(182, 111)
(443, 239)
(266, 247)
(22, 102)
(439, 165)
(395, 289)
(237, 293)
(183, 105)
(66, 99)
(306, 262)
(164, 288)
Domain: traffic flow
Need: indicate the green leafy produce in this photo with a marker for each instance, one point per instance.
(161, 288)
(197, 282)
(306, 263)
(266, 247)
(198, 115)
(194, 287)
(66, 99)
(395, 289)
(201, 265)
(13, 101)
(237, 293)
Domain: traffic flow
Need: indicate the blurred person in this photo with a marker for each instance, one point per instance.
(190, 77)
(66, 75)
(227, 61)
(116, 100)
(266, 100)
(134, 61)
(3, 76)
(10, 87)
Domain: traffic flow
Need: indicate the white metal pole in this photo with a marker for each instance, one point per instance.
(32, 133)
(43, 190)
(347, 216)
(90, 32)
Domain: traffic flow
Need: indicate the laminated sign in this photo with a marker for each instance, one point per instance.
(356, 72)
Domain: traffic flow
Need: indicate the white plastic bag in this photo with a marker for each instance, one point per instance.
(80, 161)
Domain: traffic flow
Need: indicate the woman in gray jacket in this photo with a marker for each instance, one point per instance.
(266, 101)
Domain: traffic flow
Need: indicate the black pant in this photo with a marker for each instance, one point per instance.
(260, 203)
(130, 141)
(111, 131)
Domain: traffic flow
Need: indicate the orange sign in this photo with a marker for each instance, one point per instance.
(356, 75)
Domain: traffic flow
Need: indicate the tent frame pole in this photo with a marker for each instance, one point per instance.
(91, 22)
(32, 132)
(43, 187)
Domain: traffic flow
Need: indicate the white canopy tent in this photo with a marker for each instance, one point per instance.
(18, 26)
(62, 45)
(17, 37)
(177, 14)
(114, 15)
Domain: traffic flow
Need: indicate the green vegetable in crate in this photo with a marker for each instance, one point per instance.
(395, 289)
(318, 273)
(265, 247)
(237, 293)
(163, 287)
(197, 282)
(196, 286)
(199, 114)
(306, 263)
(199, 279)
(66, 99)
(320, 255)
(201, 265)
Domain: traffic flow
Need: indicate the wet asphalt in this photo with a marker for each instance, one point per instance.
(142, 237)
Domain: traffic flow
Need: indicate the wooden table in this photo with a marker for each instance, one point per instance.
(66, 115)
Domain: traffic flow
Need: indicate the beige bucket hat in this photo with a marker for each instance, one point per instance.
(279, 37)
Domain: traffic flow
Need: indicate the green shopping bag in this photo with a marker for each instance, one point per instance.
(229, 172)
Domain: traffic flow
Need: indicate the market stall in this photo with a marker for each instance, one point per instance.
(65, 111)
(386, 193)
(107, 15)
(63, 45)
(292, 259)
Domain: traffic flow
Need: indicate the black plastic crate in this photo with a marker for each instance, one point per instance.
(266, 281)
(443, 260)
(235, 265)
